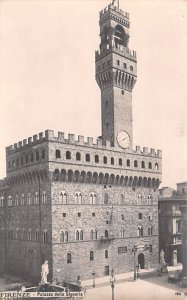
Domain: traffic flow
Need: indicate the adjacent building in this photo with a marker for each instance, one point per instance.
(170, 222)
(83, 204)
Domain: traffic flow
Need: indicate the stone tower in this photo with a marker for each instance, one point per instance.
(116, 76)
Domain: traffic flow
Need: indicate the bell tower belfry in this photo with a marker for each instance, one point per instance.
(116, 74)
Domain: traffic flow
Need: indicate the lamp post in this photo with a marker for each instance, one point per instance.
(93, 274)
(112, 280)
(134, 253)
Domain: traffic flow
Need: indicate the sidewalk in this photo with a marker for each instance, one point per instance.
(100, 281)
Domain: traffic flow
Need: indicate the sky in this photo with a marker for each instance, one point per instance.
(47, 74)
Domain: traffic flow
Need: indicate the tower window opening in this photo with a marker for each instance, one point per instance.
(131, 68)
(68, 155)
(78, 156)
(112, 161)
(105, 160)
(91, 255)
(125, 65)
(128, 163)
(104, 65)
(118, 62)
(120, 162)
(140, 216)
(106, 253)
(150, 165)
(37, 155)
(108, 62)
(69, 258)
(96, 158)
(88, 157)
(135, 164)
(58, 155)
(122, 92)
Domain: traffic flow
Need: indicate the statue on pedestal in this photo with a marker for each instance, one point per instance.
(44, 272)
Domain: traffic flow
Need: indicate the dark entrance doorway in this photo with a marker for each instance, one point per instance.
(106, 271)
(141, 260)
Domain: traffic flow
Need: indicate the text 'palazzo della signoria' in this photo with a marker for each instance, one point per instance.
(85, 205)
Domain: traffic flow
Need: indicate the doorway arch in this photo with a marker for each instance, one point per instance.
(141, 260)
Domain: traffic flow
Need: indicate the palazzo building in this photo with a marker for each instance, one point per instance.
(171, 236)
(83, 204)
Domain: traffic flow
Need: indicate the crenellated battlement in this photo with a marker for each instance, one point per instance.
(71, 139)
(113, 9)
(123, 51)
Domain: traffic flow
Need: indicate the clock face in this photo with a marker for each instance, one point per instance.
(123, 139)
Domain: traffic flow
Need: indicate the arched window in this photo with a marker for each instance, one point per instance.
(22, 199)
(69, 258)
(106, 253)
(140, 231)
(63, 198)
(66, 236)
(10, 201)
(119, 37)
(78, 156)
(143, 164)
(149, 200)
(44, 197)
(56, 174)
(122, 217)
(93, 198)
(135, 164)
(81, 235)
(106, 233)
(106, 199)
(156, 166)
(139, 199)
(150, 230)
(150, 165)
(95, 234)
(96, 158)
(128, 163)
(2, 201)
(28, 199)
(43, 154)
(91, 234)
(32, 157)
(23, 234)
(150, 217)
(120, 162)
(62, 237)
(88, 157)
(68, 155)
(112, 161)
(37, 155)
(36, 198)
(58, 154)
(105, 160)
(77, 235)
(91, 255)
(140, 216)
(29, 235)
(45, 237)
(122, 233)
(37, 235)
(78, 198)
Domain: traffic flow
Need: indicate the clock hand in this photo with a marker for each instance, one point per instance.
(124, 139)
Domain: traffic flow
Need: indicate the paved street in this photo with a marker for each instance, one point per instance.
(156, 288)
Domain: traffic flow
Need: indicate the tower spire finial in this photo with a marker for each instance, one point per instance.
(113, 2)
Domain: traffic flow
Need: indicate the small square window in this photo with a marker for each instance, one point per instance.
(93, 214)
(107, 222)
(79, 214)
(122, 92)
(118, 62)
(104, 65)
(125, 65)
(64, 215)
(131, 68)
